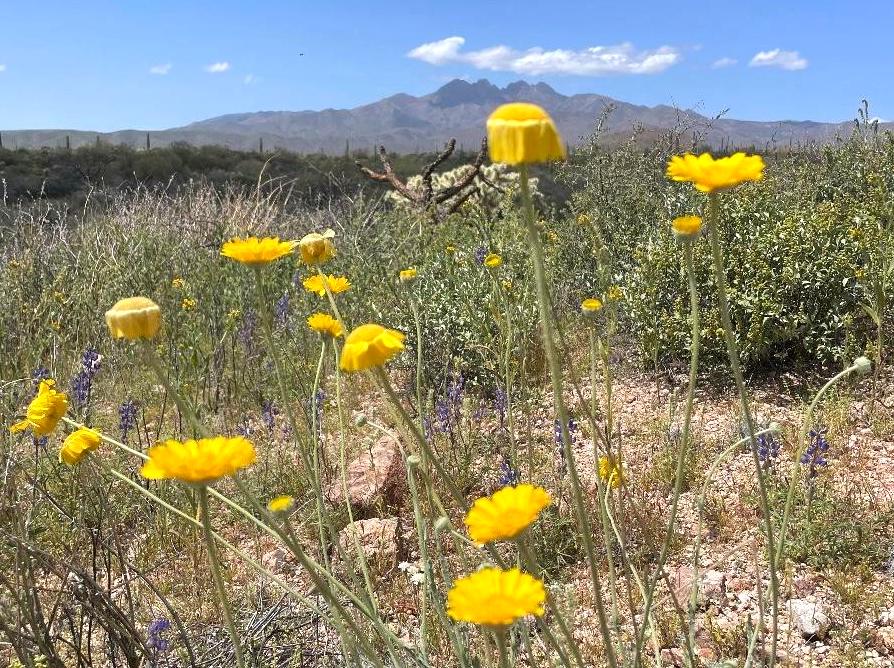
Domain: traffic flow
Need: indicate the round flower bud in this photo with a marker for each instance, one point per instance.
(134, 318)
(316, 248)
(863, 365)
(408, 275)
(687, 226)
(591, 306)
(414, 460)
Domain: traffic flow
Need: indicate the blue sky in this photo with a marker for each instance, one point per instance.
(111, 65)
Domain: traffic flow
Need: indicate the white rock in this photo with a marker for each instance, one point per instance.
(810, 618)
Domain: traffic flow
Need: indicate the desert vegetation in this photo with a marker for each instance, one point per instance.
(649, 422)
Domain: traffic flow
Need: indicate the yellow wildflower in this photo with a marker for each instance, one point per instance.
(583, 219)
(198, 461)
(134, 318)
(408, 275)
(188, 304)
(450, 250)
(614, 294)
(255, 251)
(336, 284)
(495, 598)
(591, 305)
(506, 513)
(233, 314)
(44, 411)
(370, 346)
(610, 472)
(316, 248)
(492, 261)
(687, 226)
(177, 283)
(77, 444)
(325, 324)
(281, 504)
(520, 133)
(709, 174)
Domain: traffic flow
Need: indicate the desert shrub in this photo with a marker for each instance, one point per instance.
(803, 248)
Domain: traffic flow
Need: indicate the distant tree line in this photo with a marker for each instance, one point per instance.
(62, 173)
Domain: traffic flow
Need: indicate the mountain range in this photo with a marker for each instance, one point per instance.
(406, 124)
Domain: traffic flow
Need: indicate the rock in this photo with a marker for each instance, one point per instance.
(673, 656)
(376, 476)
(882, 640)
(274, 559)
(810, 618)
(378, 538)
(712, 587)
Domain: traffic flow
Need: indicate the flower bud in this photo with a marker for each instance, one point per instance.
(863, 365)
(414, 460)
(134, 318)
(442, 523)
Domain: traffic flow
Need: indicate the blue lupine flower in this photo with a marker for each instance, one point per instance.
(246, 331)
(500, 405)
(155, 640)
(508, 475)
(281, 309)
(127, 418)
(767, 447)
(268, 413)
(814, 455)
(480, 254)
(82, 383)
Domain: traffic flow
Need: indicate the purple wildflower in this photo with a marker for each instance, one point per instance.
(127, 418)
(500, 400)
(480, 254)
(508, 475)
(246, 331)
(815, 453)
(281, 309)
(155, 640)
(268, 413)
(82, 383)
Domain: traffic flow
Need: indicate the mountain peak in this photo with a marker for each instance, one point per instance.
(460, 91)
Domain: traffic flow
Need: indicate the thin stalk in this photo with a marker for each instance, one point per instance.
(556, 377)
(684, 437)
(219, 585)
(331, 298)
(802, 447)
(501, 647)
(733, 352)
(417, 320)
(151, 359)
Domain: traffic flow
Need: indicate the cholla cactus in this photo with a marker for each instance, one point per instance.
(487, 187)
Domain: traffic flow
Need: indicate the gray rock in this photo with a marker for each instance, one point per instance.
(810, 618)
(376, 476)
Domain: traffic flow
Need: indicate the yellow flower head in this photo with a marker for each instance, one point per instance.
(495, 598)
(336, 284)
(614, 294)
(281, 504)
(188, 304)
(520, 133)
(583, 219)
(316, 248)
(134, 318)
(325, 324)
(370, 346)
(492, 261)
(408, 275)
(44, 411)
(198, 462)
(506, 513)
(177, 283)
(709, 174)
(591, 305)
(610, 472)
(687, 226)
(450, 250)
(77, 444)
(254, 251)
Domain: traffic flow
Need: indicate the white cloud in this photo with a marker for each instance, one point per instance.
(217, 68)
(786, 60)
(595, 60)
(160, 69)
(249, 79)
(2, 67)
(723, 62)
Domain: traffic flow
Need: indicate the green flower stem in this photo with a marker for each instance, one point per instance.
(529, 560)
(428, 582)
(104, 437)
(315, 449)
(684, 438)
(214, 561)
(733, 352)
(500, 635)
(251, 561)
(556, 376)
(343, 473)
(151, 359)
(709, 478)
(802, 448)
(324, 581)
(507, 372)
(417, 320)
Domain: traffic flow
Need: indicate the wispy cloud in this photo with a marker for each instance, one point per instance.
(723, 62)
(161, 70)
(217, 68)
(249, 79)
(594, 60)
(786, 60)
